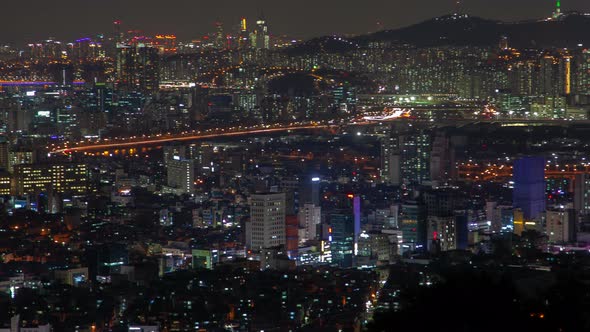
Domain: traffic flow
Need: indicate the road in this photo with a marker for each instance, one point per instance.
(118, 144)
(160, 140)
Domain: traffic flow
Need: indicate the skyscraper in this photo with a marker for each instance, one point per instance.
(138, 67)
(260, 37)
(529, 186)
(181, 174)
(267, 221)
(220, 40)
(342, 244)
(309, 219)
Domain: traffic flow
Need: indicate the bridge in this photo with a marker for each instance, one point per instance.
(270, 129)
(133, 143)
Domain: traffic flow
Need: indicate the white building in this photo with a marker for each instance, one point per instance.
(181, 175)
(560, 226)
(309, 217)
(267, 221)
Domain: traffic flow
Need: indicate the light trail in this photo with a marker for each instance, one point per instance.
(118, 145)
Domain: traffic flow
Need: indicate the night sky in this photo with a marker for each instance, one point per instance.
(24, 21)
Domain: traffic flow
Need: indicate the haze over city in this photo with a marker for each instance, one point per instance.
(26, 21)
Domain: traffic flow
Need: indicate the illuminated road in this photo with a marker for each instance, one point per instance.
(152, 141)
(115, 144)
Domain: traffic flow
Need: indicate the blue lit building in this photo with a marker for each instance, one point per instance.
(529, 186)
(342, 241)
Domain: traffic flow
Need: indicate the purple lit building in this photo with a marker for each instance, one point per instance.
(529, 186)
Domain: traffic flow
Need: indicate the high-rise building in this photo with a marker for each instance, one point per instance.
(4, 153)
(405, 156)
(529, 186)
(267, 221)
(260, 37)
(310, 190)
(561, 225)
(343, 238)
(412, 223)
(220, 40)
(243, 33)
(291, 235)
(390, 160)
(181, 174)
(138, 67)
(582, 194)
(309, 220)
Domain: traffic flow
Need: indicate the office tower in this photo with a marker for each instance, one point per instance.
(181, 175)
(310, 190)
(412, 223)
(343, 238)
(137, 67)
(529, 186)
(309, 218)
(174, 151)
(43, 178)
(260, 37)
(561, 225)
(267, 221)
(390, 160)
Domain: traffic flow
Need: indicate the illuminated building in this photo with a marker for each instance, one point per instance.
(181, 174)
(20, 156)
(345, 229)
(529, 186)
(205, 258)
(446, 224)
(406, 158)
(412, 223)
(166, 44)
(43, 178)
(343, 235)
(557, 13)
(309, 218)
(4, 156)
(220, 40)
(243, 34)
(561, 225)
(267, 224)
(137, 67)
(582, 194)
(260, 37)
(291, 235)
(5, 183)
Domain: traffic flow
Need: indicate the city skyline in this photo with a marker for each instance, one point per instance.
(190, 21)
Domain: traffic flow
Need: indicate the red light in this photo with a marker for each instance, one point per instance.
(435, 235)
(351, 196)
